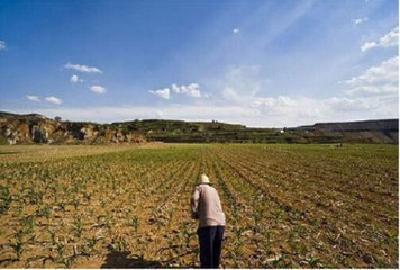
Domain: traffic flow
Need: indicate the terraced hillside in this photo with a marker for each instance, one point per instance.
(35, 128)
(128, 206)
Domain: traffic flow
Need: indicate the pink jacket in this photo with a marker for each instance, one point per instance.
(206, 206)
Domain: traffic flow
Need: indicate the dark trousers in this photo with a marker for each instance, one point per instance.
(210, 239)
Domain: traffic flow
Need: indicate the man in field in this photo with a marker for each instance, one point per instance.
(206, 207)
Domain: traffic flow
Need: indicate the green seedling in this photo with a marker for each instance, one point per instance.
(135, 223)
(5, 199)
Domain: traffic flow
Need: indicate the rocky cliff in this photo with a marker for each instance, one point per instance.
(34, 128)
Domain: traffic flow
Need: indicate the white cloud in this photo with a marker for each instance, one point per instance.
(54, 100)
(390, 39)
(162, 93)
(236, 30)
(360, 20)
(293, 111)
(98, 89)
(307, 106)
(281, 101)
(230, 114)
(159, 113)
(240, 102)
(33, 98)
(382, 79)
(191, 90)
(368, 45)
(75, 78)
(264, 112)
(82, 68)
(3, 46)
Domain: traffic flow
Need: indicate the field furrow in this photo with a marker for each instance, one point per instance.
(287, 206)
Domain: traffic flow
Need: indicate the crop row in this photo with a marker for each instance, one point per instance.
(286, 206)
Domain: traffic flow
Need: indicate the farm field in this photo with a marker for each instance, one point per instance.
(128, 206)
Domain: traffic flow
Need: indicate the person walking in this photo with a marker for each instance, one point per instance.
(206, 207)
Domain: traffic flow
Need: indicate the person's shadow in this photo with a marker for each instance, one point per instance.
(119, 259)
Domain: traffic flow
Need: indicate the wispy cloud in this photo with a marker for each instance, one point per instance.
(98, 89)
(390, 39)
(3, 45)
(82, 68)
(264, 112)
(54, 100)
(240, 102)
(33, 98)
(242, 82)
(75, 79)
(300, 110)
(381, 79)
(360, 20)
(162, 93)
(269, 86)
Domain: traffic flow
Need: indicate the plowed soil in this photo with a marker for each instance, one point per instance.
(287, 206)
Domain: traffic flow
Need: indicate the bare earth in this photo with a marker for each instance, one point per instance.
(128, 206)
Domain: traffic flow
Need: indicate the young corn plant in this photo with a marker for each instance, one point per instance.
(89, 246)
(267, 242)
(60, 251)
(43, 212)
(78, 226)
(18, 244)
(76, 202)
(185, 231)
(28, 224)
(135, 223)
(5, 199)
(257, 214)
(119, 243)
(35, 197)
(68, 262)
(238, 243)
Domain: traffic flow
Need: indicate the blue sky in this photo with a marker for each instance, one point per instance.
(259, 63)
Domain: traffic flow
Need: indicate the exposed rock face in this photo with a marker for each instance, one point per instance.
(33, 128)
(39, 135)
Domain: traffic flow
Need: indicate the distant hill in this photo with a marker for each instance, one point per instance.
(35, 128)
(373, 131)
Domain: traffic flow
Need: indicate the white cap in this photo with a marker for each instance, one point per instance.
(204, 178)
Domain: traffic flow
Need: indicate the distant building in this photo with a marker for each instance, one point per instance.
(58, 118)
